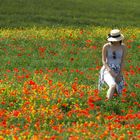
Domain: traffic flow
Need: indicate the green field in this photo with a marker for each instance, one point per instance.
(50, 57)
(28, 13)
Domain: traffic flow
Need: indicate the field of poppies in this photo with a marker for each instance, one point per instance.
(48, 86)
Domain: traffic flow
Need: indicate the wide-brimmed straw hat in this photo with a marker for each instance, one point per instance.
(115, 35)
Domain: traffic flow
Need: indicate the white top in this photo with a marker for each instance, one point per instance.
(109, 59)
(118, 55)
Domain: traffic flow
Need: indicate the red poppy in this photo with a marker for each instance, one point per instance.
(16, 113)
(31, 82)
(3, 123)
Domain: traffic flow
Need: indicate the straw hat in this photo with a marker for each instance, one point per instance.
(115, 35)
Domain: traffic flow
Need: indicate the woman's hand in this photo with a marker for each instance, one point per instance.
(112, 73)
(118, 78)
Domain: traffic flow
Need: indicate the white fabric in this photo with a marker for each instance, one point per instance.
(110, 59)
(109, 79)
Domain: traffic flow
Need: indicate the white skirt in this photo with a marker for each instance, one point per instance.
(106, 77)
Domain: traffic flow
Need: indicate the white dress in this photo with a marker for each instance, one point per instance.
(114, 64)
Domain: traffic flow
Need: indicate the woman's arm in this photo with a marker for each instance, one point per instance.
(118, 78)
(123, 59)
(104, 56)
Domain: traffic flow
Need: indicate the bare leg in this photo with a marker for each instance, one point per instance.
(110, 91)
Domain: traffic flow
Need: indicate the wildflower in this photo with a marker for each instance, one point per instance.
(73, 138)
(129, 47)
(74, 86)
(124, 90)
(71, 59)
(90, 102)
(31, 82)
(1, 138)
(3, 103)
(16, 70)
(88, 41)
(3, 123)
(138, 126)
(16, 113)
(110, 117)
(94, 47)
(129, 132)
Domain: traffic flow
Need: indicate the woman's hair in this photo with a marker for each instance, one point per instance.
(119, 41)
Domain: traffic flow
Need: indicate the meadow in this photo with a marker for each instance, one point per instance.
(50, 57)
(48, 86)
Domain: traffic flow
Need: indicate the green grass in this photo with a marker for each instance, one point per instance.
(29, 13)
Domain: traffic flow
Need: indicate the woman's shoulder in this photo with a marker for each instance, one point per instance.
(123, 46)
(106, 45)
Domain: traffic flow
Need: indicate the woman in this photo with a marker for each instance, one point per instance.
(113, 57)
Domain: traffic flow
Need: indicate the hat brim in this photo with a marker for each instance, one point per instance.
(116, 39)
